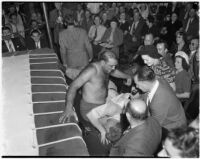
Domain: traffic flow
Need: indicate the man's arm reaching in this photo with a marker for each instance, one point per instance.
(82, 79)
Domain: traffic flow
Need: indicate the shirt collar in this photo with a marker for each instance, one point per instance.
(153, 90)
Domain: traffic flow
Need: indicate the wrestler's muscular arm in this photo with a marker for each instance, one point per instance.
(80, 81)
(117, 73)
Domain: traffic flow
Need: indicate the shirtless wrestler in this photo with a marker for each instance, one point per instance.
(94, 83)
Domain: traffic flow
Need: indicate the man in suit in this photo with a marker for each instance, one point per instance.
(143, 136)
(11, 44)
(137, 27)
(113, 37)
(191, 25)
(163, 104)
(36, 41)
(194, 64)
(56, 19)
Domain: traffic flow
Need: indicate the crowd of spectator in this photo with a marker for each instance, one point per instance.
(162, 39)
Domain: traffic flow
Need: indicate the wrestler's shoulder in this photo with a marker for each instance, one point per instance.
(90, 68)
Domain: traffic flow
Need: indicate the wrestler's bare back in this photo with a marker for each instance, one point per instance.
(95, 89)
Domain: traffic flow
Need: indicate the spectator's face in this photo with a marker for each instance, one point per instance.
(12, 9)
(136, 16)
(121, 9)
(194, 44)
(34, 16)
(113, 25)
(34, 25)
(188, 6)
(58, 5)
(161, 48)
(174, 17)
(87, 14)
(113, 5)
(36, 37)
(148, 40)
(79, 7)
(192, 13)
(122, 16)
(169, 150)
(149, 61)
(14, 19)
(104, 16)
(6, 34)
(179, 38)
(143, 7)
(140, 84)
(178, 63)
(97, 20)
(167, 18)
(39, 16)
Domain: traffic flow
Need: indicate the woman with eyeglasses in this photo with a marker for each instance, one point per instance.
(181, 143)
(181, 44)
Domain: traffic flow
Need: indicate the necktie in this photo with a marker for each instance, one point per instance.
(95, 34)
(10, 46)
(37, 45)
(188, 24)
(186, 15)
(148, 100)
(133, 28)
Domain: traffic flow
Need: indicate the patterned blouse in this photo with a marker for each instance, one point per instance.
(163, 70)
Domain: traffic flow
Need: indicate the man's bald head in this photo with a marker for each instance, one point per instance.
(137, 108)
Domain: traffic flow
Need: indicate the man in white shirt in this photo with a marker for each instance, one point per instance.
(11, 44)
(36, 41)
(163, 104)
(95, 35)
(96, 31)
(194, 46)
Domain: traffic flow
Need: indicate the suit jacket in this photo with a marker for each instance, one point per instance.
(166, 108)
(172, 29)
(139, 31)
(75, 48)
(193, 29)
(17, 44)
(57, 27)
(142, 140)
(30, 43)
(117, 39)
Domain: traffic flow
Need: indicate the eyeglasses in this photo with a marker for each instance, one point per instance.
(193, 44)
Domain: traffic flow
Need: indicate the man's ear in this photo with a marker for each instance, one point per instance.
(103, 62)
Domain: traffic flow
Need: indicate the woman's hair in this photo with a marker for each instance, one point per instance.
(186, 139)
(181, 33)
(184, 63)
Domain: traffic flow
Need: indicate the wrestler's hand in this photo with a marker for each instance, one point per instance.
(128, 81)
(67, 114)
(104, 140)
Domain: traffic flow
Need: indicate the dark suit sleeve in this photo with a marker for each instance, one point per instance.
(19, 44)
(159, 110)
(133, 149)
(119, 38)
(105, 36)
